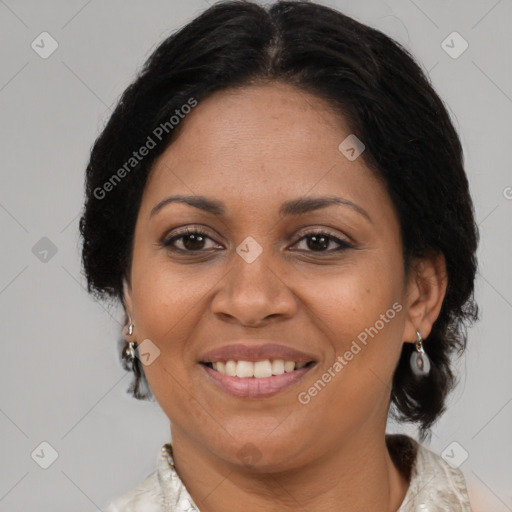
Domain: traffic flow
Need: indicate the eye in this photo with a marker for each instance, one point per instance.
(191, 240)
(318, 241)
(195, 240)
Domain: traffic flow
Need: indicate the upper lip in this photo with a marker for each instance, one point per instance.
(255, 352)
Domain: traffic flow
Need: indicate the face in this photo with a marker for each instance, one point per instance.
(324, 280)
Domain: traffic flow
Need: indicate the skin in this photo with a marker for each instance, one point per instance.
(254, 148)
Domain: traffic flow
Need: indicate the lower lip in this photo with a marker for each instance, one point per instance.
(252, 387)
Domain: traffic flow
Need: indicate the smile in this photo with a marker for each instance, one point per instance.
(259, 379)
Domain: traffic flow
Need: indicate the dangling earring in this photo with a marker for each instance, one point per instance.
(129, 349)
(420, 363)
(129, 354)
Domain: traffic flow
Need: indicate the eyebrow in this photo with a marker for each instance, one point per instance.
(297, 206)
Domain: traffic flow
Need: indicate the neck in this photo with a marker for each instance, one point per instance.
(355, 476)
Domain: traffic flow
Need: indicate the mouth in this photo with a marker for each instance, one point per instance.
(255, 370)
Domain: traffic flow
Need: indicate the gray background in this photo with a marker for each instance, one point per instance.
(60, 379)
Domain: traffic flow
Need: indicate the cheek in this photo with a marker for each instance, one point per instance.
(354, 384)
(165, 304)
(361, 314)
(165, 297)
(353, 299)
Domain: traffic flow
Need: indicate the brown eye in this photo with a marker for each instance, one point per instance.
(319, 241)
(191, 241)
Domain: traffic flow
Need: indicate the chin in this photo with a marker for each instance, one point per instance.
(263, 453)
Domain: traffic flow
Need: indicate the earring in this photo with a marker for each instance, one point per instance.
(130, 326)
(130, 356)
(129, 351)
(420, 363)
(130, 346)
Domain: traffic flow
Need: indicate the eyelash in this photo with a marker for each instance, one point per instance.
(194, 231)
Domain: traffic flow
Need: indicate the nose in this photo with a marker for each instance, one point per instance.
(252, 293)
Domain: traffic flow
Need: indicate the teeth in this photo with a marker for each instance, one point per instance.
(230, 368)
(289, 366)
(277, 367)
(258, 369)
(244, 369)
(262, 369)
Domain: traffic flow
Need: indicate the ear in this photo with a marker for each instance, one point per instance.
(426, 289)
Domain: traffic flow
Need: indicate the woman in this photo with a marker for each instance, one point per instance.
(279, 202)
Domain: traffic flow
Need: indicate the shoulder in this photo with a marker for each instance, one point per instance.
(434, 484)
(145, 497)
(161, 491)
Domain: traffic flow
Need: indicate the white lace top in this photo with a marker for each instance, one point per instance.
(434, 485)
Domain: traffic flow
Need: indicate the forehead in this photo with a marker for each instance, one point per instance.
(258, 144)
(259, 121)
